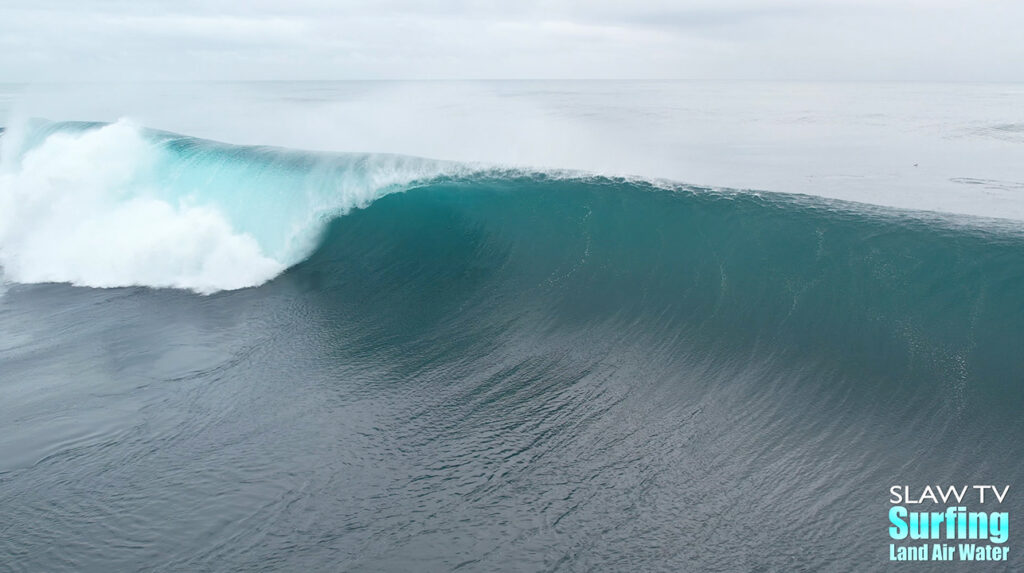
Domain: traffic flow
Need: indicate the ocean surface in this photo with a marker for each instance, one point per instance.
(503, 326)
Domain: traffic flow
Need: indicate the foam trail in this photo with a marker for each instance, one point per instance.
(115, 205)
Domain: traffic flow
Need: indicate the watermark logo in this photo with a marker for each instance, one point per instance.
(963, 528)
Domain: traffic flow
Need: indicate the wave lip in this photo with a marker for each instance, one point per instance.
(110, 205)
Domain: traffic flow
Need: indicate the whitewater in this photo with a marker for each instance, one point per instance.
(107, 205)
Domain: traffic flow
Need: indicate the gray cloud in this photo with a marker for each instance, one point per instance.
(52, 40)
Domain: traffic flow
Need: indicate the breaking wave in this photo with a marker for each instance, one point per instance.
(108, 205)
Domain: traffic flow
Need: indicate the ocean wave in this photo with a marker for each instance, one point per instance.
(437, 348)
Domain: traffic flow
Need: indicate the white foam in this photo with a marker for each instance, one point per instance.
(78, 208)
(117, 205)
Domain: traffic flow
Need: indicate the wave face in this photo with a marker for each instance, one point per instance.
(904, 295)
(108, 205)
(715, 375)
(490, 370)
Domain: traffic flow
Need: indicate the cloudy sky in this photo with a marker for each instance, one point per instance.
(959, 40)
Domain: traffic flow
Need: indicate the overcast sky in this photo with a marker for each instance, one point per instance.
(958, 40)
